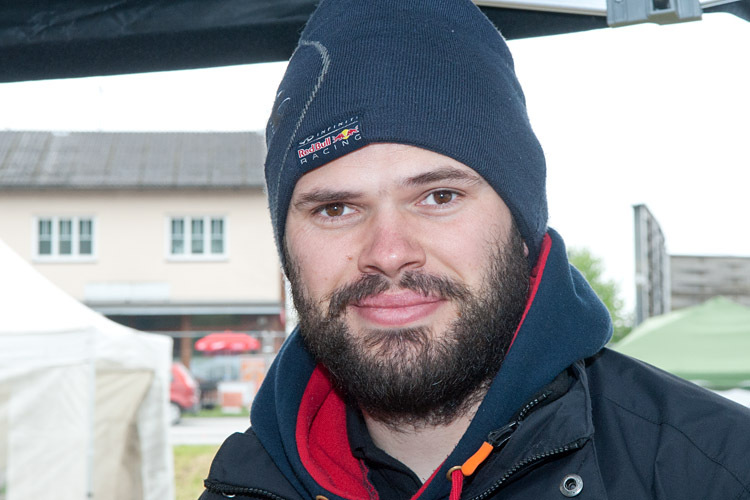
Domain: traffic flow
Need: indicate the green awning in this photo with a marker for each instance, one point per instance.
(708, 344)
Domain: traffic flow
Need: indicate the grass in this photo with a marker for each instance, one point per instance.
(216, 412)
(191, 464)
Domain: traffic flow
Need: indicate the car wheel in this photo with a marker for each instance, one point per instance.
(175, 412)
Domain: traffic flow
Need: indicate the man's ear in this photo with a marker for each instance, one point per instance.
(525, 250)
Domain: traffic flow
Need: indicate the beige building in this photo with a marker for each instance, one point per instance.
(164, 232)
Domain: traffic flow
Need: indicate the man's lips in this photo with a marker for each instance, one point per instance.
(396, 309)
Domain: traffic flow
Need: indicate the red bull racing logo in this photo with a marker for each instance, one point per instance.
(329, 141)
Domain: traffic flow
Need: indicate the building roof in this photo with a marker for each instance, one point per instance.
(130, 160)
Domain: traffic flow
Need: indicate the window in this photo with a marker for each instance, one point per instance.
(45, 237)
(64, 238)
(197, 237)
(85, 237)
(178, 237)
(65, 243)
(217, 236)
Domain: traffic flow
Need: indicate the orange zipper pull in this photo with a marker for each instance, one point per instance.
(495, 440)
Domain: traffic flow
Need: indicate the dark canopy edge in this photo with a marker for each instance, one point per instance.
(144, 36)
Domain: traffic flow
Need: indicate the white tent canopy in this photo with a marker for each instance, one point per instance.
(83, 400)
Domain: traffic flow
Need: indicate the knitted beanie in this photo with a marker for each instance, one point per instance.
(429, 73)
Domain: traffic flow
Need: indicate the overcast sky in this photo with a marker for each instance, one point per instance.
(644, 114)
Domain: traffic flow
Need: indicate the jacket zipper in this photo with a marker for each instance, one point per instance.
(496, 440)
(230, 491)
(500, 437)
(527, 462)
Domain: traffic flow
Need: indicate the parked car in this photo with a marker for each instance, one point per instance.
(184, 393)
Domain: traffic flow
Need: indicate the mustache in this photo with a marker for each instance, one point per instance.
(374, 284)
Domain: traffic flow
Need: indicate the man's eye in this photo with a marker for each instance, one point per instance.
(440, 197)
(334, 210)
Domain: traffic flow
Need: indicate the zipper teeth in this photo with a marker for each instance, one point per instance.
(523, 463)
(531, 404)
(239, 490)
(511, 427)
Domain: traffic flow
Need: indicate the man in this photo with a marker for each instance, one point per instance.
(446, 348)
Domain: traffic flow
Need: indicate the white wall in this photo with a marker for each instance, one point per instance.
(131, 243)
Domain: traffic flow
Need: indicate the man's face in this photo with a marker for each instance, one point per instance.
(409, 278)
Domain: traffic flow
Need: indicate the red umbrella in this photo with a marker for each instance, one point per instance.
(227, 342)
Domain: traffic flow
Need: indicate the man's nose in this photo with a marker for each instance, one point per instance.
(391, 246)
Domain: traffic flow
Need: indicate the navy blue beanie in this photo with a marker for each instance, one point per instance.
(434, 74)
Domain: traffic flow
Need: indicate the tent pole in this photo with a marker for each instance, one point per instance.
(92, 415)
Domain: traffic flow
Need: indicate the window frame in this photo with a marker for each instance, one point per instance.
(75, 254)
(187, 238)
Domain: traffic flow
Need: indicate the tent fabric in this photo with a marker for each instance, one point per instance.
(83, 400)
(75, 38)
(708, 343)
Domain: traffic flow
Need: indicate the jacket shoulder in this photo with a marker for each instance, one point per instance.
(244, 469)
(671, 426)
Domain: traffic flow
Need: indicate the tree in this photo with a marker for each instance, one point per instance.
(592, 268)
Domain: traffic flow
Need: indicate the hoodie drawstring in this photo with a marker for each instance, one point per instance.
(457, 483)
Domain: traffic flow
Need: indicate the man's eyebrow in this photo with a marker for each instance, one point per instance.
(447, 173)
(442, 174)
(320, 196)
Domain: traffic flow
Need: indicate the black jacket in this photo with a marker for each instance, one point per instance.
(626, 429)
(562, 411)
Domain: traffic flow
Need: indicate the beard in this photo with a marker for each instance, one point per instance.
(419, 376)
